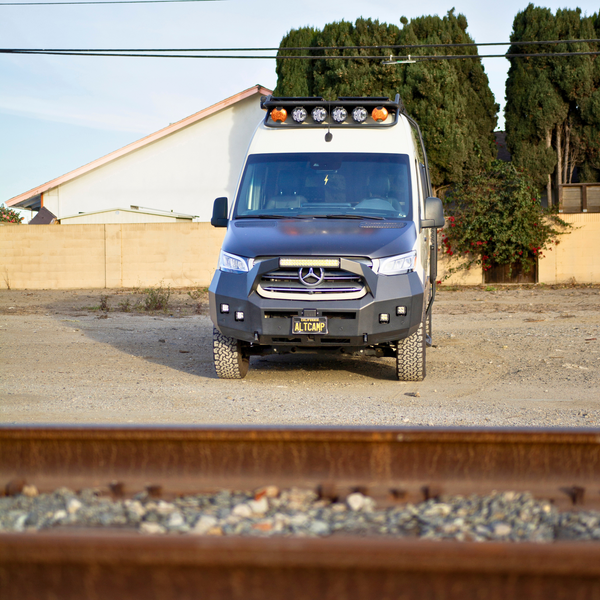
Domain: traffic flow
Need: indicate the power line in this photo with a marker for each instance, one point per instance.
(100, 2)
(397, 46)
(298, 48)
(418, 58)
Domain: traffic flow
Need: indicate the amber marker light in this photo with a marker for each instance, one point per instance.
(379, 114)
(279, 114)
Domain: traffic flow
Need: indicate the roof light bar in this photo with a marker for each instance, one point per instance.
(345, 112)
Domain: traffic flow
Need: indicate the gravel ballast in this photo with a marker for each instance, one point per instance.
(507, 516)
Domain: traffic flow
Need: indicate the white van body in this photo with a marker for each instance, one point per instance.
(329, 241)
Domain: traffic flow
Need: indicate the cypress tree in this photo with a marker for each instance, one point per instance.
(361, 77)
(590, 114)
(294, 76)
(551, 116)
(450, 100)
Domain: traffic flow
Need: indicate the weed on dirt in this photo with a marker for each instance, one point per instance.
(157, 298)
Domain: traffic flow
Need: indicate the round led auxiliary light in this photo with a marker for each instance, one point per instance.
(299, 114)
(279, 114)
(359, 114)
(339, 114)
(379, 114)
(319, 114)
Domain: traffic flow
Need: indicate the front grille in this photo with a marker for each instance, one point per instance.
(337, 284)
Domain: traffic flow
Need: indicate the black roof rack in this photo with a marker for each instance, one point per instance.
(395, 108)
(267, 102)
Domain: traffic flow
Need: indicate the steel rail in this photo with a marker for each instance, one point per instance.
(129, 567)
(391, 464)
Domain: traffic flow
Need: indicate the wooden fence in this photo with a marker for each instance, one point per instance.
(579, 198)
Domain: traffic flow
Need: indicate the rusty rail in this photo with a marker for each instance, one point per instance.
(390, 464)
(174, 568)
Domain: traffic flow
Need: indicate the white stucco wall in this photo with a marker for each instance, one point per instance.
(183, 172)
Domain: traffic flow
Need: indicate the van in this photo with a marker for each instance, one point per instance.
(331, 239)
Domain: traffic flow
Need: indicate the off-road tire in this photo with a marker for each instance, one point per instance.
(428, 332)
(229, 358)
(410, 356)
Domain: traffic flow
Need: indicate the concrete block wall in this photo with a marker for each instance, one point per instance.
(52, 257)
(473, 276)
(576, 259)
(108, 256)
(186, 255)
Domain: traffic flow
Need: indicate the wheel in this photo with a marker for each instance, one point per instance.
(410, 356)
(229, 358)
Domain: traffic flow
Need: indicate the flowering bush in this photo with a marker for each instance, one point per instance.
(496, 218)
(8, 215)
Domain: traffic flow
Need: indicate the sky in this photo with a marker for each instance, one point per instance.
(58, 113)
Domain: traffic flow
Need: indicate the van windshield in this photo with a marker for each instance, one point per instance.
(326, 185)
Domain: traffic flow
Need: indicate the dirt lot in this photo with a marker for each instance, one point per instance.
(509, 356)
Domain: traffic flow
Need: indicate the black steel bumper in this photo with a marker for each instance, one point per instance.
(350, 322)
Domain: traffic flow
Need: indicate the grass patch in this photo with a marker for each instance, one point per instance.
(197, 293)
(104, 303)
(125, 305)
(157, 298)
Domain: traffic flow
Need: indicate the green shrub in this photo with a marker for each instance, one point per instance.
(125, 305)
(197, 293)
(157, 298)
(496, 218)
(8, 215)
(104, 303)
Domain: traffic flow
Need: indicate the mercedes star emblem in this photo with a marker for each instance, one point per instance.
(309, 277)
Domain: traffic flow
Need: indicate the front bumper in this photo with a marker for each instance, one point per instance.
(350, 322)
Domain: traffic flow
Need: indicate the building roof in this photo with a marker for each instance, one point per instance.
(44, 217)
(32, 198)
(138, 211)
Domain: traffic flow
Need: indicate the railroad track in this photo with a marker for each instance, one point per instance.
(392, 465)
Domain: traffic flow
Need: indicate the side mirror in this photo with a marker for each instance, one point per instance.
(434, 213)
(219, 216)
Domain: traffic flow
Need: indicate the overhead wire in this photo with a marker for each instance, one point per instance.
(100, 2)
(298, 48)
(391, 58)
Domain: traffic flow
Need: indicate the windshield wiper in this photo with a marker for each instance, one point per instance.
(344, 216)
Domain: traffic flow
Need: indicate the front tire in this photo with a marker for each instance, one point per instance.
(230, 360)
(410, 356)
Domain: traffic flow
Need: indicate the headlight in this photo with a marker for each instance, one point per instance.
(232, 263)
(396, 265)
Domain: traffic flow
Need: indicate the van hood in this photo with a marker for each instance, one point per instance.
(251, 238)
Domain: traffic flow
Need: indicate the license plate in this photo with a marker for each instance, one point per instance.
(309, 325)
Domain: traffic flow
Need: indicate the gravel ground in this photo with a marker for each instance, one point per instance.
(513, 356)
(507, 516)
